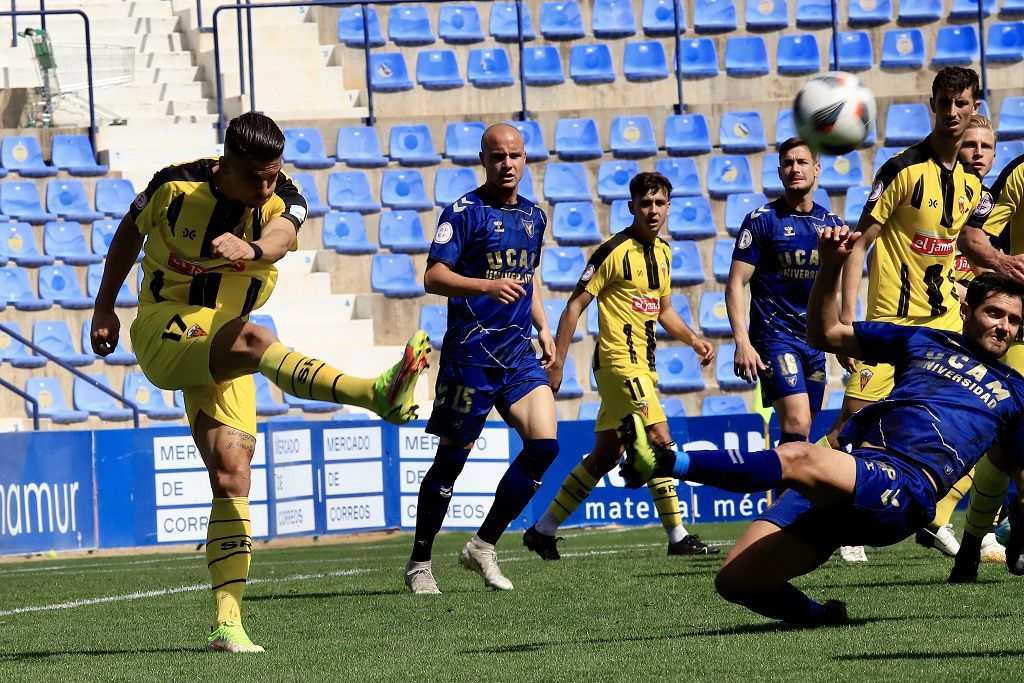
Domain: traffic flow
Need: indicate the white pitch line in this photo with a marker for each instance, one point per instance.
(100, 565)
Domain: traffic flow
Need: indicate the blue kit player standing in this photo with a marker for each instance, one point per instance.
(486, 250)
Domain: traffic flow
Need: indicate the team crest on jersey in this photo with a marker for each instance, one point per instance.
(140, 201)
(643, 407)
(985, 204)
(963, 203)
(745, 239)
(195, 331)
(588, 273)
(876, 191)
(443, 234)
(791, 380)
(865, 377)
(528, 226)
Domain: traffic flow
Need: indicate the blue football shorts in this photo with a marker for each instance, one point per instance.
(791, 367)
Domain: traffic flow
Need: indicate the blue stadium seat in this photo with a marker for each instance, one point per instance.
(16, 290)
(919, 11)
(682, 173)
(713, 317)
(673, 407)
(359, 147)
(681, 305)
(746, 56)
(438, 70)
(738, 206)
(526, 186)
(101, 235)
(60, 285)
(434, 321)
(814, 14)
(93, 277)
(785, 126)
(561, 267)
(577, 140)
(613, 179)
(1011, 118)
(18, 244)
(54, 337)
(462, 142)
(489, 68)
(727, 379)
(66, 242)
(691, 218)
(21, 154)
(350, 191)
(13, 351)
(588, 410)
(148, 398)
(882, 155)
(345, 233)
(74, 154)
(1005, 153)
(592, 321)
(714, 16)
(767, 16)
(687, 268)
(307, 186)
(388, 72)
(403, 189)
(409, 25)
(350, 27)
(644, 61)
(721, 259)
(903, 48)
(840, 173)
(658, 18)
(686, 135)
(553, 309)
(619, 216)
(1005, 42)
(452, 183)
(561, 20)
(1011, 8)
(855, 52)
(574, 223)
(571, 387)
(504, 22)
(728, 174)
(266, 404)
(120, 355)
(956, 45)
(51, 402)
(678, 370)
(459, 24)
(402, 232)
(835, 400)
(113, 196)
(566, 182)
(264, 320)
(533, 136)
(821, 197)
(67, 199)
(797, 54)
(697, 58)
(613, 19)
(20, 200)
(856, 198)
(717, 406)
(632, 137)
(869, 13)
(412, 145)
(741, 131)
(771, 184)
(542, 65)
(968, 9)
(304, 148)
(394, 275)
(906, 124)
(591, 64)
(88, 398)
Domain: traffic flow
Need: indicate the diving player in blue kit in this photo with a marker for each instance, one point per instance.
(484, 256)
(953, 400)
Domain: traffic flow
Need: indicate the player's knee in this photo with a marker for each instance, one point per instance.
(254, 340)
(446, 468)
(230, 481)
(537, 456)
(795, 458)
(729, 585)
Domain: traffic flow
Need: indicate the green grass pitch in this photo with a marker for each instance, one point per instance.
(614, 609)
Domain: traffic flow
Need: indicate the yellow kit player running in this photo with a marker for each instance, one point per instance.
(630, 277)
(213, 229)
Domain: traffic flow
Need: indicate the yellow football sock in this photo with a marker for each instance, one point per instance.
(228, 553)
(823, 442)
(663, 491)
(987, 494)
(944, 508)
(307, 377)
(575, 489)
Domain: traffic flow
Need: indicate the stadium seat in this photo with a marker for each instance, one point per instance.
(681, 305)
(409, 25)
(840, 173)
(21, 154)
(412, 145)
(67, 199)
(553, 309)
(919, 11)
(813, 14)
(574, 223)
(571, 387)
(402, 232)
(20, 200)
(673, 407)
(566, 182)
(345, 233)
(588, 410)
(906, 124)
(388, 72)
(66, 242)
(658, 18)
(394, 275)
(714, 16)
(51, 402)
(18, 244)
(60, 285)
(632, 137)
(855, 52)
(612, 19)
(713, 318)
(687, 268)
(619, 216)
(561, 20)
(882, 155)
(359, 147)
(148, 398)
(452, 183)
(591, 64)
(721, 259)
(739, 206)
(835, 400)
(727, 379)
(644, 61)
(869, 13)
(1005, 153)
(767, 16)
(797, 54)
(741, 132)
(350, 191)
(304, 148)
(504, 23)
(577, 140)
(351, 30)
(533, 136)
(956, 45)
(1011, 8)
(728, 174)
(54, 337)
(101, 235)
(74, 154)
(462, 142)
(903, 48)
(561, 267)
(697, 58)
(113, 196)
(489, 68)
(16, 353)
(771, 184)
(542, 66)
(856, 198)
(93, 277)
(687, 135)
(526, 186)
(1005, 42)
(718, 406)
(746, 56)
(1011, 118)
(264, 320)
(613, 179)
(822, 199)
(307, 186)
(434, 321)
(785, 127)
(682, 173)
(459, 24)
(403, 189)
(691, 218)
(438, 70)
(88, 398)
(968, 9)
(16, 290)
(678, 370)
(120, 355)
(266, 404)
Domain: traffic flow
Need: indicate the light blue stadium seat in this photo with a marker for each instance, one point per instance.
(746, 56)
(1005, 153)
(906, 124)
(619, 216)
(658, 18)
(644, 61)
(728, 174)
(797, 54)
(533, 137)
(903, 48)
(919, 11)
(389, 72)
(1011, 8)
(561, 267)
(697, 58)
(574, 223)
(1005, 42)
(264, 320)
(304, 148)
(673, 407)
(19, 200)
(402, 232)
(687, 134)
(687, 268)
(60, 285)
(74, 154)
(459, 24)
(717, 406)
(16, 290)
(307, 186)
(691, 218)
(813, 14)
(681, 305)
(855, 52)
(767, 16)
(682, 173)
(345, 233)
(571, 387)
(409, 25)
(835, 400)
(350, 27)
(542, 65)
(54, 337)
(956, 45)
(489, 68)
(968, 9)
(566, 182)
(588, 410)
(504, 22)
(771, 184)
(727, 379)
(148, 398)
(561, 20)
(613, 179)
(869, 13)
(403, 189)
(592, 321)
(713, 317)
(553, 310)
(394, 275)
(18, 244)
(526, 186)
(65, 241)
(612, 19)
(739, 206)
(856, 198)
(113, 196)
(822, 199)
(678, 370)
(462, 142)
(51, 402)
(840, 173)
(882, 155)
(266, 404)
(438, 70)
(13, 351)
(452, 183)
(591, 64)
(721, 259)
(22, 154)
(350, 191)
(120, 355)
(577, 140)
(714, 16)
(67, 199)
(412, 145)
(93, 277)
(359, 147)
(101, 235)
(785, 127)
(88, 398)
(632, 137)
(1011, 118)
(434, 321)
(741, 131)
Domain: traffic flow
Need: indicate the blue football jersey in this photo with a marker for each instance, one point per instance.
(782, 245)
(479, 239)
(947, 408)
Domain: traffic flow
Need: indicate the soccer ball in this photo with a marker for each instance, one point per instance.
(834, 113)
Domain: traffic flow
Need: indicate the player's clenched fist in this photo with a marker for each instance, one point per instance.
(106, 328)
(506, 290)
(232, 248)
(705, 350)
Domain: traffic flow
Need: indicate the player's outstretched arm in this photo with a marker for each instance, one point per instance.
(124, 250)
(825, 331)
(853, 270)
(678, 329)
(746, 362)
(439, 278)
(277, 239)
(578, 303)
(976, 245)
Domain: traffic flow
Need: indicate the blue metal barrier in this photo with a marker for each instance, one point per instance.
(981, 49)
(25, 395)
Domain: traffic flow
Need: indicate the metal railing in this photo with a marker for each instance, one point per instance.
(14, 20)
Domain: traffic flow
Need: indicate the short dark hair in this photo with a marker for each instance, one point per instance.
(254, 136)
(794, 142)
(956, 79)
(987, 284)
(645, 183)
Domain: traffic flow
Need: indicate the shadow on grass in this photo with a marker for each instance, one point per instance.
(873, 656)
(19, 656)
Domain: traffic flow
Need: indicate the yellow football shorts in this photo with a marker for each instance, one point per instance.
(624, 391)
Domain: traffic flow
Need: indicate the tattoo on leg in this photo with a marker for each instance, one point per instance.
(242, 440)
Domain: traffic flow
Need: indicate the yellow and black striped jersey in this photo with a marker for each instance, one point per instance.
(628, 277)
(921, 206)
(999, 212)
(180, 213)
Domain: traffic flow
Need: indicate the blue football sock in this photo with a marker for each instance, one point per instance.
(517, 486)
(790, 437)
(785, 603)
(730, 470)
(435, 496)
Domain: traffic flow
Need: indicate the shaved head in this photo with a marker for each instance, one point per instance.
(503, 156)
(500, 133)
